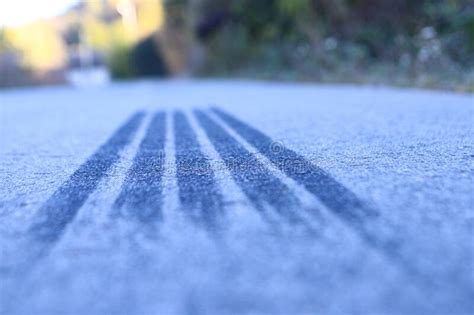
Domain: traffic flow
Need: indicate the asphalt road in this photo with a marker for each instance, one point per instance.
(215, 197)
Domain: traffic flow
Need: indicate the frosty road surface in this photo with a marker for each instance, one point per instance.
(214, 197)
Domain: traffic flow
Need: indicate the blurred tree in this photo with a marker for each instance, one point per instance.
(311, 38)
(372, 24)
(41, 46)
(147, 60)
(110, 23)
(4, 44)
(150, 16)
(99, 35)
(114, 27)
(120, 63)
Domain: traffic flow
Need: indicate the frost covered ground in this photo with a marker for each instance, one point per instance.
(234, 197)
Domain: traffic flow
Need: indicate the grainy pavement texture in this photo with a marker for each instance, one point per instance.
(236, 197)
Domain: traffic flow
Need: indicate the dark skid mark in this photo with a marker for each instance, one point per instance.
(253, 177)
(141, 196)
(198, 191)
(61, 208)
(334, 195)
(339, 199)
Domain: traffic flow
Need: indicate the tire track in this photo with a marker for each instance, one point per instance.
(333, 194)
(61, 208)
(260, 186)
(198, 192)
(141, 195)
(340, 201)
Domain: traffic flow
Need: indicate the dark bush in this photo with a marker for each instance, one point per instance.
(147, 60)
(314, 39)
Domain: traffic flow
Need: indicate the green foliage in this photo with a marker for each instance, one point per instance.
(267, 20)
(4, 44)
(120, 63)
(117, 37)
(320, 39)
(293, 8)
(468, 28)
(131, 61)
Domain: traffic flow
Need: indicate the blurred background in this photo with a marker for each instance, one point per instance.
(422, 43)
